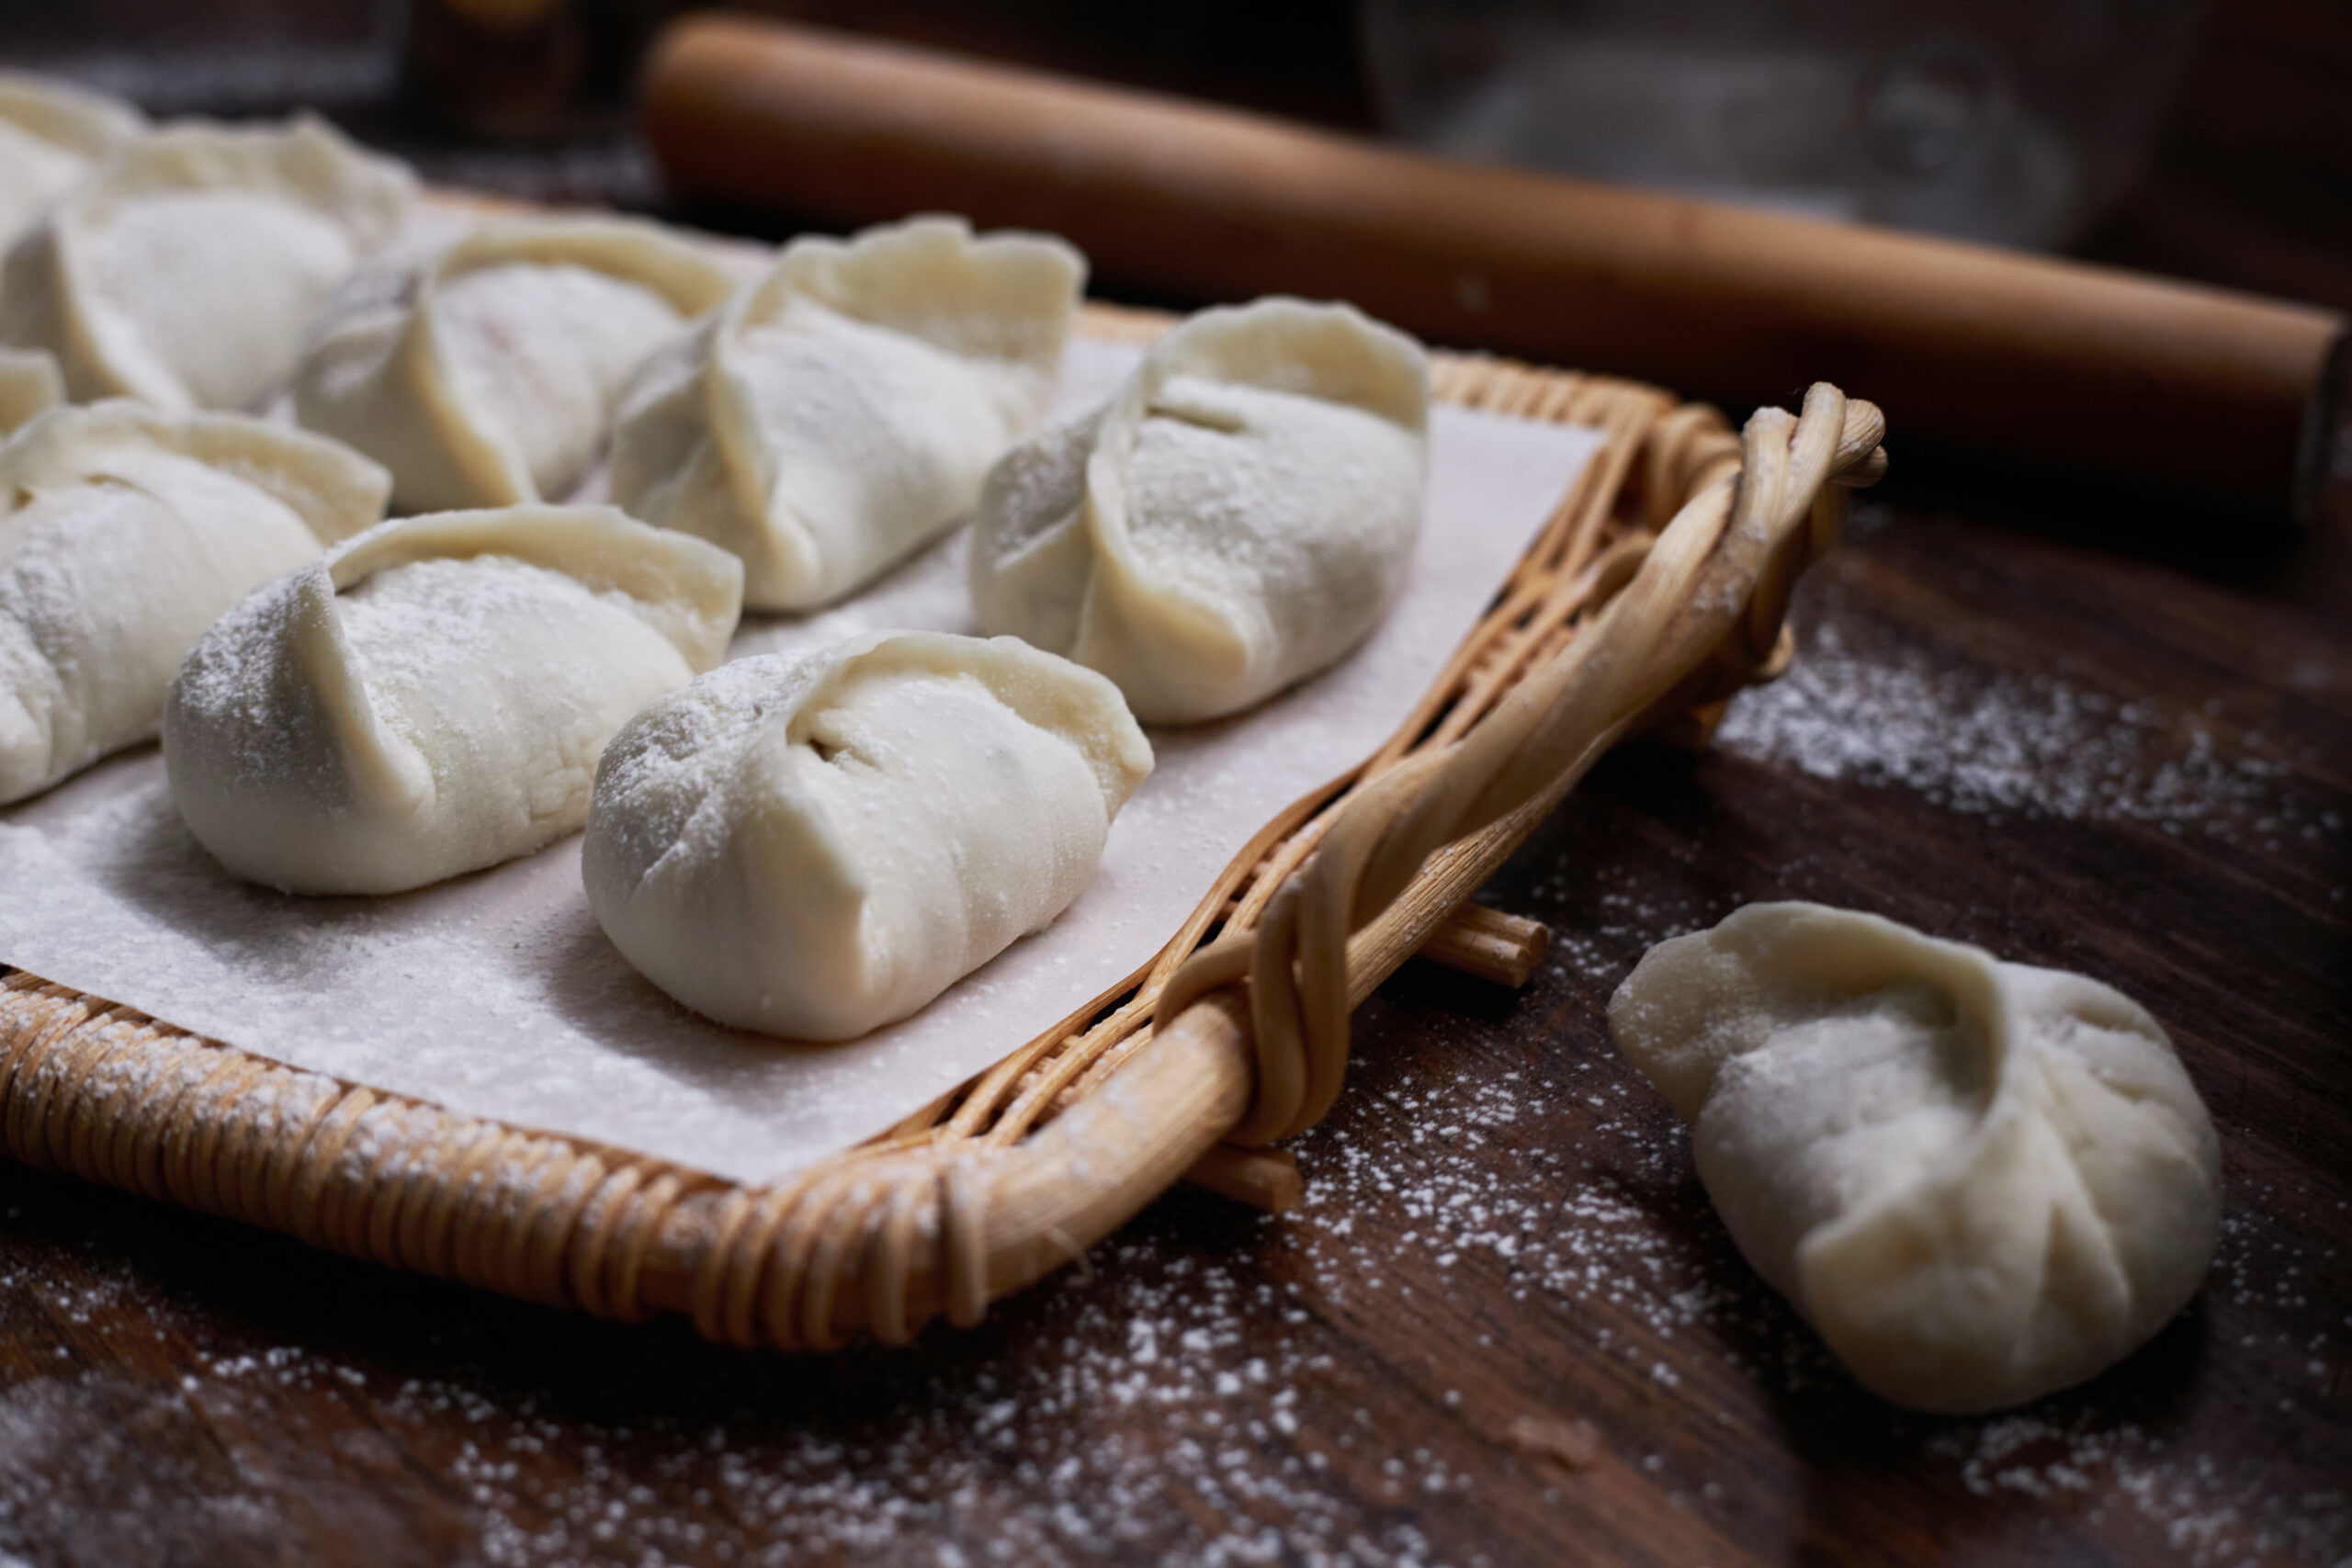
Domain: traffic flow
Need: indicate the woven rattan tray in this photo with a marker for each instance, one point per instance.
(1655, 592)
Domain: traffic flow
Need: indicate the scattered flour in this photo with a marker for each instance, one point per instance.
(1998, 744)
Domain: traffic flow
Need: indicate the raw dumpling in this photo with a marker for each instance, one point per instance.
(51, 137)
(1240, 514)
(842, 414)
(1980, 1182)
(487, 376)
(187, 270)
(432, 696)
(816, 845)
(123, 532)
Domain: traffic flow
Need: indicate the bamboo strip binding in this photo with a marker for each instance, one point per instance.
(1657, 591)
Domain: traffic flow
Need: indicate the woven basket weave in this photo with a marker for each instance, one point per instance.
(1655, 591)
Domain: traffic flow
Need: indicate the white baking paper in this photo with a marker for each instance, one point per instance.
(496, 995)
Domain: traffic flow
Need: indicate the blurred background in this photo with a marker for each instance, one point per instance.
(2208, 141)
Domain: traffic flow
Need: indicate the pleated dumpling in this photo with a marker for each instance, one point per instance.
(432, 696)
(51, 135)
(1240, 515)
(185, 271)
(123, 532)
(487, 376)
(816, 845)
(842, 414)
(1980, 1182)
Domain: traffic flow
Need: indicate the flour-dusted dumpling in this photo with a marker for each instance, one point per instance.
(123, 532)
(1980, 1182)
(487, 376)
(1240, 515)
(185, 271)
(842, 414)
(432, 696)
(815, 845)
(51, 135)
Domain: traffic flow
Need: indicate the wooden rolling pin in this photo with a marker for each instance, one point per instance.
(2228, 395)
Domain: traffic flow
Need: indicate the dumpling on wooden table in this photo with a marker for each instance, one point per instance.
(1240, 515)
(51, 135)
(185, 271)
(1980, 1182)
(124, 530)
(841, 414)
(487, 376)
(815, 845)
(432, 697)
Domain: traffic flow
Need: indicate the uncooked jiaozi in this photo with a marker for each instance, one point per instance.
(1980, 1182)
(1240, 515)
(185, 271)
(51, 135)
(432, 696)
(123, 532)
(815, 845)
(841, 414)
(486, 377)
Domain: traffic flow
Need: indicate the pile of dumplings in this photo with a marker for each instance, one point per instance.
(226, 355)
(421, 550)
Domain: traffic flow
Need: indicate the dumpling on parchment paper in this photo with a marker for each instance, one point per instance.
(841, 413)
(486, 375)
(814, 845)
(1240, 515)
(123, 532)
(185, 271)
(432, 696)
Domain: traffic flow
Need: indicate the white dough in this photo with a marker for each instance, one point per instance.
(1240, 515)
(1980, 1182)
(51, 135)
(432, 696)
(842, 414)
(185, 271)
(816, 845)
(487, 376)
(123, 532)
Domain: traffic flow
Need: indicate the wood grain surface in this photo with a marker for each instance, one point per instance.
(1506, 1327)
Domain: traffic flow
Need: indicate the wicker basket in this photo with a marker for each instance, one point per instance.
(1655, 591)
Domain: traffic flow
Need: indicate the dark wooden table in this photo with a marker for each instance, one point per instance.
(1507, 1327)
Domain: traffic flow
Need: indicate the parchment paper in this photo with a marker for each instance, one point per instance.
(496, 995)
